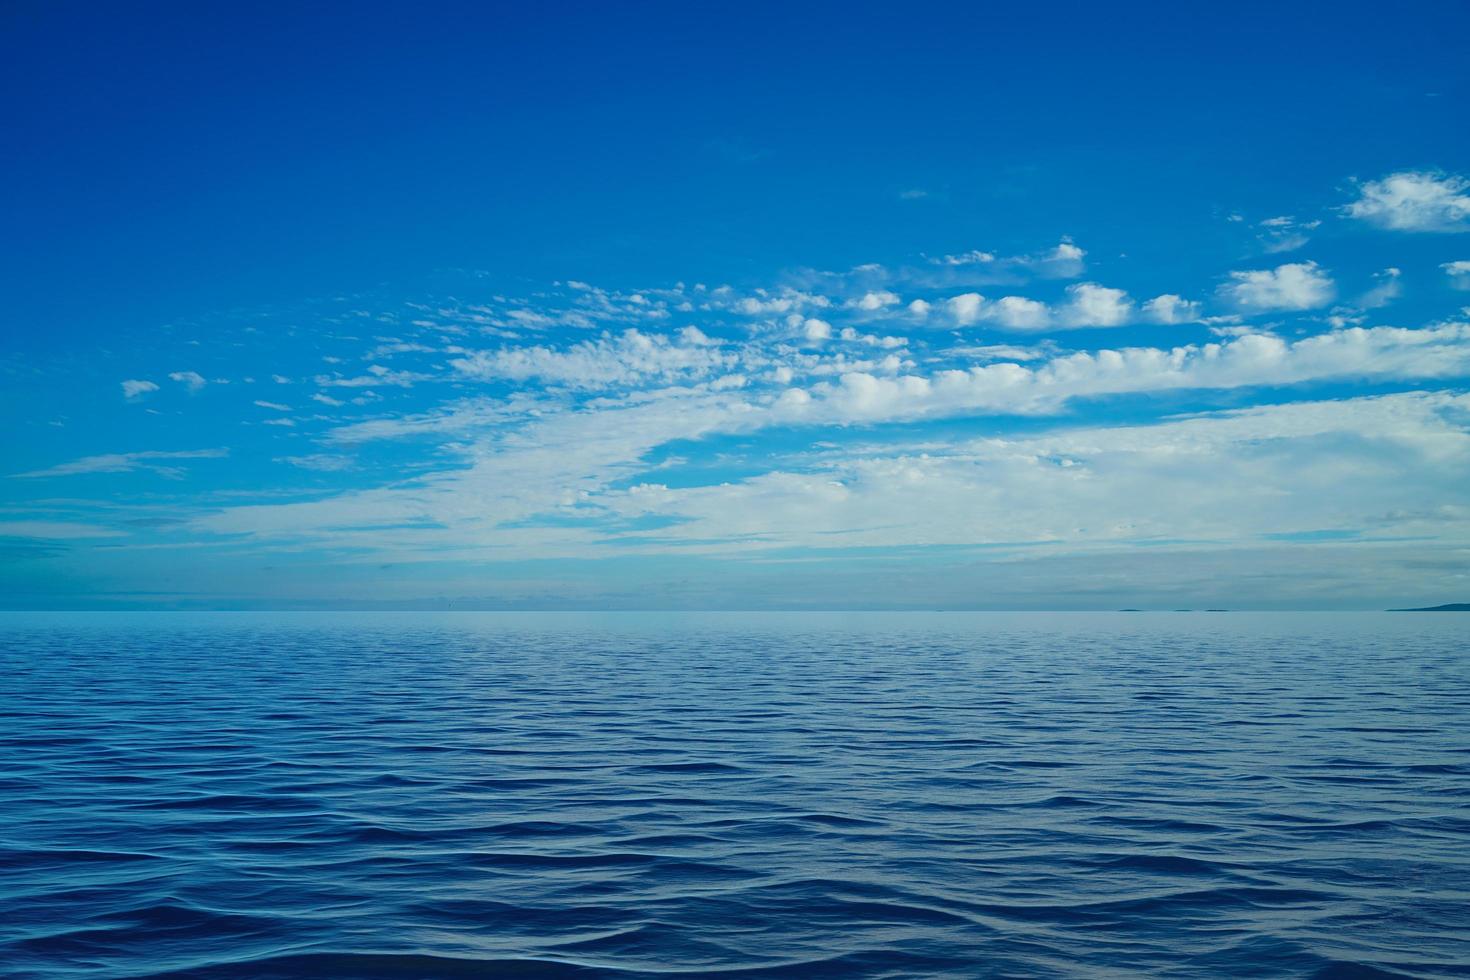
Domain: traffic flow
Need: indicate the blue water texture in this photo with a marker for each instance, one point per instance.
(784, 795)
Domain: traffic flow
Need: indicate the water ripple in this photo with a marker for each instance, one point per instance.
(941, 795)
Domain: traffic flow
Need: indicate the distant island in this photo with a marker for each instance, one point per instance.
(1447, 607)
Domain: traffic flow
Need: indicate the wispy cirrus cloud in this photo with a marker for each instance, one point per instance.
(1459, 273)
(56, 530)
(1284, 233)
(155, 461)
(192, 380)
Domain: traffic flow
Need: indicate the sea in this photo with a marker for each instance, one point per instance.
(1028, 795)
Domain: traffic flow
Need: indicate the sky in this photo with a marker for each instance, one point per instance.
(734, 306)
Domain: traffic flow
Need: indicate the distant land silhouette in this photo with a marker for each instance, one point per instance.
(1447, 607)
(1131, 609)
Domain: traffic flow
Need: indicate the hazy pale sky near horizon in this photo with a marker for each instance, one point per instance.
(735, 306)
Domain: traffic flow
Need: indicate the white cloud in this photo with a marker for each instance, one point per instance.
(875, 300)
(629, 358)
(55, 530)
(275, 406)
(1020, 313)
(695, 337)
(1227, 477)
(1294, 286)
(1091, 305)
(377, 376)
(1459, 273)
(1247, 361)
(1066, 252)
(965, 308)
(454, 420)
(919, 309)
(765, 303)
(1389, 288)
(1063, 262)
(1171, 309)
(513, 463)
(999, 352)
(1415, 201)
(189, 379)
(134, 388)
(872, 340)
(816, 330)
(126, 463)
(972, 257)
(1285, 233)
(319, 462)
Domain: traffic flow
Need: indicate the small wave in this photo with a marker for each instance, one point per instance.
(689, 767)
(383, 966)
(1160, 863)
(19, 859)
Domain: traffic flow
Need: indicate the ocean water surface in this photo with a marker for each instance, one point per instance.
(802, 795)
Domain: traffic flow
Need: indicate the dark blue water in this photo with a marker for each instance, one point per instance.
(547, 795)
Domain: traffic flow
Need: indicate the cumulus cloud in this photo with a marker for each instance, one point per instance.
(1085, 305)
(1171, 309)
(1414, 200)
(694, 337)
(1020, 313)
(965, 308)
(1063, 262)
(816, 330)
(1091, 305)
(1294, 286)
(150, 460)
(875, 300)
(872, 340)
(134, 388)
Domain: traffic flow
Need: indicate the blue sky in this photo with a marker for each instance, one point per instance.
(909, 306)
